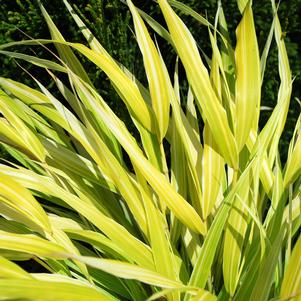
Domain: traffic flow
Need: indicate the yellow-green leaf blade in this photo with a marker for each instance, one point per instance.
(20, 200)
(9, 269)
(248, 78)
(129, 271)
(291, 284)
(31, 244)
(199, 80)
(12, 289)
(155, 73)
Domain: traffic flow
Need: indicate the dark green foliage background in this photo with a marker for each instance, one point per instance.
(111, 23)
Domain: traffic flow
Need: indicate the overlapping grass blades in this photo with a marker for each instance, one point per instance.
(199, 208)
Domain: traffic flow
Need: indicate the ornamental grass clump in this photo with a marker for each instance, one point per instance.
(196, 206)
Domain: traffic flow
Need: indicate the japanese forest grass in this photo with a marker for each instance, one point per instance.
(183, 212)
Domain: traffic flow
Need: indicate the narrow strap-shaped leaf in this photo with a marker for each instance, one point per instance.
(212, 172)
(212, 162)
(97, 46)
(93, 42)
(157, 27)
(100, 242)
(157, 228)
(216, 63)
(83, 112)
(12, 289)
(199, 80)
(40, 124)
(248, 78)
(191, 113)
(29, 138)
(126, 87)
(266, 174)
(164, 292)
(235, 236)
(65, 52)
(265, 52)
(291, 284)
(10, 137)
(266, 272)
(242, 5)
(155, 73)
(285, 89)
(20, 200)
(203, 295)
(227, 52)
(221, 77)
(276, 214)
(129, 271)
(31, 244)
(61, 238)
(35, 60)
(178, 172)
(293, 210)
(190, 143)
(77, 164)
(9, 269)
(192, 245)
(293, 165)
(35, 99)
(189, 11)
(178, 164)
